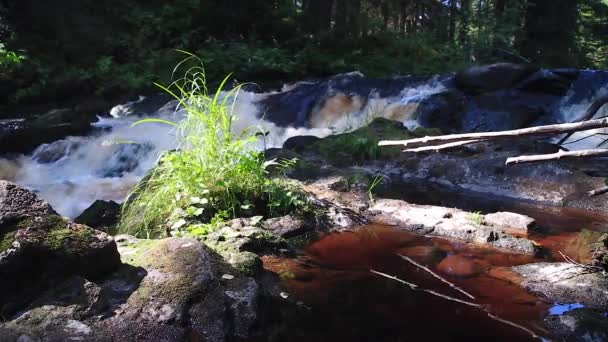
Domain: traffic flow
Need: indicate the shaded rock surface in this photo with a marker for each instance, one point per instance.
(174, 289)
(102, 215)
(566, 283)
(39, 248)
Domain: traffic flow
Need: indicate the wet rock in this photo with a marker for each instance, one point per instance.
(102, 215)
(39, 248)
(566, 283)
(50, 153)
(48, 127)
(579, 325)
(492, 77)
(451, 223)
(125, 158)
(511, 221)
(286, 226)
(548, 82)
(299, 143)
(459, 266)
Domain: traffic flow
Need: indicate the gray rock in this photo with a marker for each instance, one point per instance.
(566, 283)
(450, 223)
(285, 226)
(511, 221)
(18, 203)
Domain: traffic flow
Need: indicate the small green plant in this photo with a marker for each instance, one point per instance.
(476, 217)
(375, 182)
(10, 61)
(215, 174)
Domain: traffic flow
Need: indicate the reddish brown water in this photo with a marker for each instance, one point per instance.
(348, 302)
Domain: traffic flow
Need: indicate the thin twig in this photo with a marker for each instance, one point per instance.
(418, 288)
(411, 261)
(571, 261)
(478, 306)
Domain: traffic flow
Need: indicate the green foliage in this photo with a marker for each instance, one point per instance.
(476, 217)
(215, 173)
(10, 61)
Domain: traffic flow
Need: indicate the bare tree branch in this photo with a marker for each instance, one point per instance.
(598, 192)
(436, 148)
(538, 130)
(428, 270)
(558, 155)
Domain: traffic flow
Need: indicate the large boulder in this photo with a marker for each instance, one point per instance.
(492, 77)
(174, 289)
(39, 248)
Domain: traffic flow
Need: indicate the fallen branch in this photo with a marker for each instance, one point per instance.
(557, 156)
(436, 148)
(598, 192)
(475, 305)
(411, 261)
(418, 288)
(538, 130)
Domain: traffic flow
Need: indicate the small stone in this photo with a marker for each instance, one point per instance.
(227, 277)
(284, 295)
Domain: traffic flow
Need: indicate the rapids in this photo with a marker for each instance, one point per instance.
(74, 172)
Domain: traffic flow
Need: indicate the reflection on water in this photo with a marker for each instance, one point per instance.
(348, 302)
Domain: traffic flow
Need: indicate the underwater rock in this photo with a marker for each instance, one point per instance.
(459, 266)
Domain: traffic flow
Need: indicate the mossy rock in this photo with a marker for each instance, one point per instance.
(39, 248)
(362, 144)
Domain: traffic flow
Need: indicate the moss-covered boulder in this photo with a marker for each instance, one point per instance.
(39, 248)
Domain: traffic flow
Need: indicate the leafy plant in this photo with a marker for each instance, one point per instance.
(215, 174)
(476, 217)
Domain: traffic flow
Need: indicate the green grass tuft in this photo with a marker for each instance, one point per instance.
(215, 172)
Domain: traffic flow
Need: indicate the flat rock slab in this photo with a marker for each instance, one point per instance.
(511, 221)
(566, 283)
(450, 223)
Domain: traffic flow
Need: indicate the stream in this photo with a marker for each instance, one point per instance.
(332, 279)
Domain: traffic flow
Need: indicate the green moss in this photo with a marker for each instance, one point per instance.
(362, 144)
(7, 241)
(70, 236)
